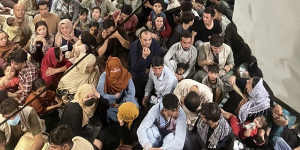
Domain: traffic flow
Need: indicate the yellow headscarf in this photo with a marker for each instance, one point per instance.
(128, 112)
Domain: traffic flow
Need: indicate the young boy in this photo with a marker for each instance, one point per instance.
(181, 68)
(82, 23)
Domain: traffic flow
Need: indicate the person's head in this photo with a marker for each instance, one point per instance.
(260, 122)
(8, 107)
(220, 10)
(186, 6)
(93, 28)
(157, 65)
(3, 39)
(181, 68)
(60, 138)
(187, 18)
(186, 40)
(43, 8)
(145, 38)
(159, 22)
(251, 83)
(83, 14)
(157, 6)
(192, 101)
(216, 42)
(125, 12)
(9, 72)
(59, 56)
(86, 96)
(210, 113)
(65, 26)
(38, 86)
(198, 5)
(96, 13)
(108, 26)
(19, 11)
(41, 28)
(213, 72)
(127, 113)
(277, 111)
(208, 16)
(170, 105)
(19, 59)
(88, 39)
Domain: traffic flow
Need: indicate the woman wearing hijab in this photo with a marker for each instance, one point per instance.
(77, 113)
(115, 86)
(65, 36)
(53, 65)
(85, 72)
(123, 133)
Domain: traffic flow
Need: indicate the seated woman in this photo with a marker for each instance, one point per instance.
(78, 112)
(6, 47)
(53, 66)
(40, 42)
(162, 31)
(123, 133)
(85, 72)
(9, 80)
(115, 86)
(65, 36)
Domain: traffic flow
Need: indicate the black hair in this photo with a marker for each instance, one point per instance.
(38, 83)
(42, 23)
(216, 40)
(42, 2)
(126, 9)
(183, 66)
(57, 52)
(83, 11)
(213, 68)
(187, 17)
(157, 61)
(186, 34)
(186, 6)
(94, 24)
(3, 95)
(199, 1)
(211, 111)
(108, 23)
(158, 1)
(2, 138)
(192, 101)
(210, 10)
(88, 39)
(61, 135)
(96, 8)
(20, 56)
(170, 101)
(143, 31)
(8, 106)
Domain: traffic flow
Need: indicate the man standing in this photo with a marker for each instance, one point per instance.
(182, 52)
(51, 19)
(162, 79)
(140, 56)
(164, 127)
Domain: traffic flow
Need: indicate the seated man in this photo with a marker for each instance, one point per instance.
(182, 52)
(214, 52)
(24, 129)
(212, 128)
(164, 127)
(62, 138)
(163, 80)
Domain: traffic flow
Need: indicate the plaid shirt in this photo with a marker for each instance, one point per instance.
(27, 75)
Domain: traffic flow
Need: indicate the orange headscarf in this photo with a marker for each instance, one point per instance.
(115, 81)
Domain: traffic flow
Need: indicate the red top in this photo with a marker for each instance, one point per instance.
(238, 129)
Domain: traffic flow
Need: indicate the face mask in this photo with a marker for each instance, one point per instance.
(15, 121)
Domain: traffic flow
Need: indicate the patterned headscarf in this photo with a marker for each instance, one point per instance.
(258, 101)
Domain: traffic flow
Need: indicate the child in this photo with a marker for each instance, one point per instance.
(157, 9)
(46, 102)
(9, 80)
(93, 28)
(82, 23)
(181, 68)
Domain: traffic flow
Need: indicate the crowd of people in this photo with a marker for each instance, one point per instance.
(133, 75)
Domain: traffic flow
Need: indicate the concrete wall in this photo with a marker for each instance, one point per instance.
(272, 29)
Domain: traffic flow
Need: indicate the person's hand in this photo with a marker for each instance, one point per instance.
(232, 80)
(59, 101)
(209, 62)
(227, 68)
(145, 101)
(146, 52)
(115, 35)
(179, 77)
(50, 71)
(117, 95)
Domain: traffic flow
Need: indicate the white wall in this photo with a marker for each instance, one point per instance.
(272, 30)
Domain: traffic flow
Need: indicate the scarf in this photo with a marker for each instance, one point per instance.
(258, 101)
(115, 82)
(59, 36)
(128, 112)
(223, 129)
